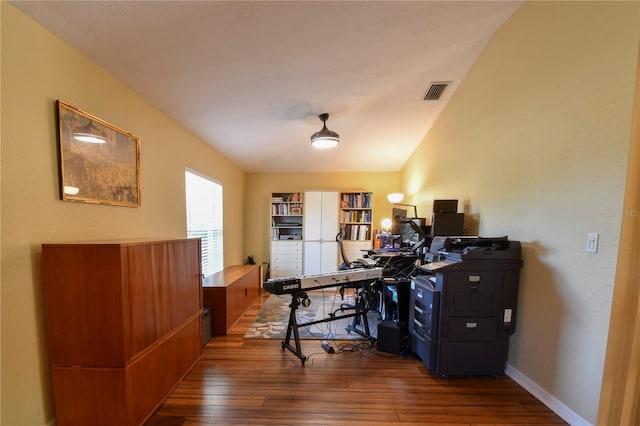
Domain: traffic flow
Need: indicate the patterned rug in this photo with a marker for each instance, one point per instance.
(273, 318)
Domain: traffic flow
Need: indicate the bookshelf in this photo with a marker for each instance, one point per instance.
(355, 215)
(355, 222)
(286, 216)
(286, 234)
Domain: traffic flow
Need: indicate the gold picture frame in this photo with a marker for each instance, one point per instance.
(99, 163)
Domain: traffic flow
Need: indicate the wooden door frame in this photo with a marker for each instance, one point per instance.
(620, 391)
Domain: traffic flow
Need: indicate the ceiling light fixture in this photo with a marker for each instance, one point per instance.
(325, 138)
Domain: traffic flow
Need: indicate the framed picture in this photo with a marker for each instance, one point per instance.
(295, 210)
(99, 163)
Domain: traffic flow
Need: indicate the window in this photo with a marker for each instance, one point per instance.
(204, 219)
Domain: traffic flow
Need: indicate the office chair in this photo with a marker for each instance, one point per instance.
(348, 264)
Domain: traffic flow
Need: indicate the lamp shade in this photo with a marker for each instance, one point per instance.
(395, 197)
(325, 138)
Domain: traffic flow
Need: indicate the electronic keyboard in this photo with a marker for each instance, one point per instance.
(288, 285)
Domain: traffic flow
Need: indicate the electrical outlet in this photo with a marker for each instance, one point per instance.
(592, 242)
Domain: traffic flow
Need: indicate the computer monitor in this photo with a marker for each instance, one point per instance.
(412, 234)
(399, 215)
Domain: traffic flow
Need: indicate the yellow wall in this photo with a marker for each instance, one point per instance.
(37, 69)
(535, 143)
(620, 395)
(259, 187)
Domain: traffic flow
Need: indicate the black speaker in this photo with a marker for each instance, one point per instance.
(392, 337)
(447, 224)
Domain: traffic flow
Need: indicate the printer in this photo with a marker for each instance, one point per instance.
(445, 251)
(463, 305)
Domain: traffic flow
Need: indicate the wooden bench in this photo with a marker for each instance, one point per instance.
(229, 293)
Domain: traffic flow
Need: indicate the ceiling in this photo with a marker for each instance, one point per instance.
(250, 78)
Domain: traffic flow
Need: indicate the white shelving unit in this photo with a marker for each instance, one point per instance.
(286, 234)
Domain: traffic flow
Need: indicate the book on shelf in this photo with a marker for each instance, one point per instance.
(363, 232)
(356, 200)
(354, 232)
(293, 209)
(357, 232)
(356, 216)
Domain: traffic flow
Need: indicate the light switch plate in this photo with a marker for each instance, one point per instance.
(592, 242)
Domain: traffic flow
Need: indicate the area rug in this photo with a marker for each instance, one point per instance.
(273, 318)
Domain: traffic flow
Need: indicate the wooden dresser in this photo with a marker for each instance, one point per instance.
(229, 293)
(124, 326)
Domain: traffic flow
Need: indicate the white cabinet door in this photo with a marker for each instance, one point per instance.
(329, 222)
(320, 257)
(312, 257)
(320, 229)
(328, 256)
(312, 216)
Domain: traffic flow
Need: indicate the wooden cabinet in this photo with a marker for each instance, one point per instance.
(124, 326)
(229, 293)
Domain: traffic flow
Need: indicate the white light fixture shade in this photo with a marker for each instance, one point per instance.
(395, 197)
(324, 142)
(325, 138)
(386, 224)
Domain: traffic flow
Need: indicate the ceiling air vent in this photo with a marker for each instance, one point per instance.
(435, 90)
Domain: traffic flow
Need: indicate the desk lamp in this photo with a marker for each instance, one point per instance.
(397, 197)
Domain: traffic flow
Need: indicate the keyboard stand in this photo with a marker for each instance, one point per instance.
(300, 297)
(293, 326)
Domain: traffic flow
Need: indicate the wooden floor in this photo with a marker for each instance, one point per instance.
(255, 382)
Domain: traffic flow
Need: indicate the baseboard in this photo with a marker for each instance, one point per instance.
(546, 398)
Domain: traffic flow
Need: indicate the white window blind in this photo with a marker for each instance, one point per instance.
(204, 219)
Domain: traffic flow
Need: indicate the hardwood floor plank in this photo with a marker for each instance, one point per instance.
(255, 382)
